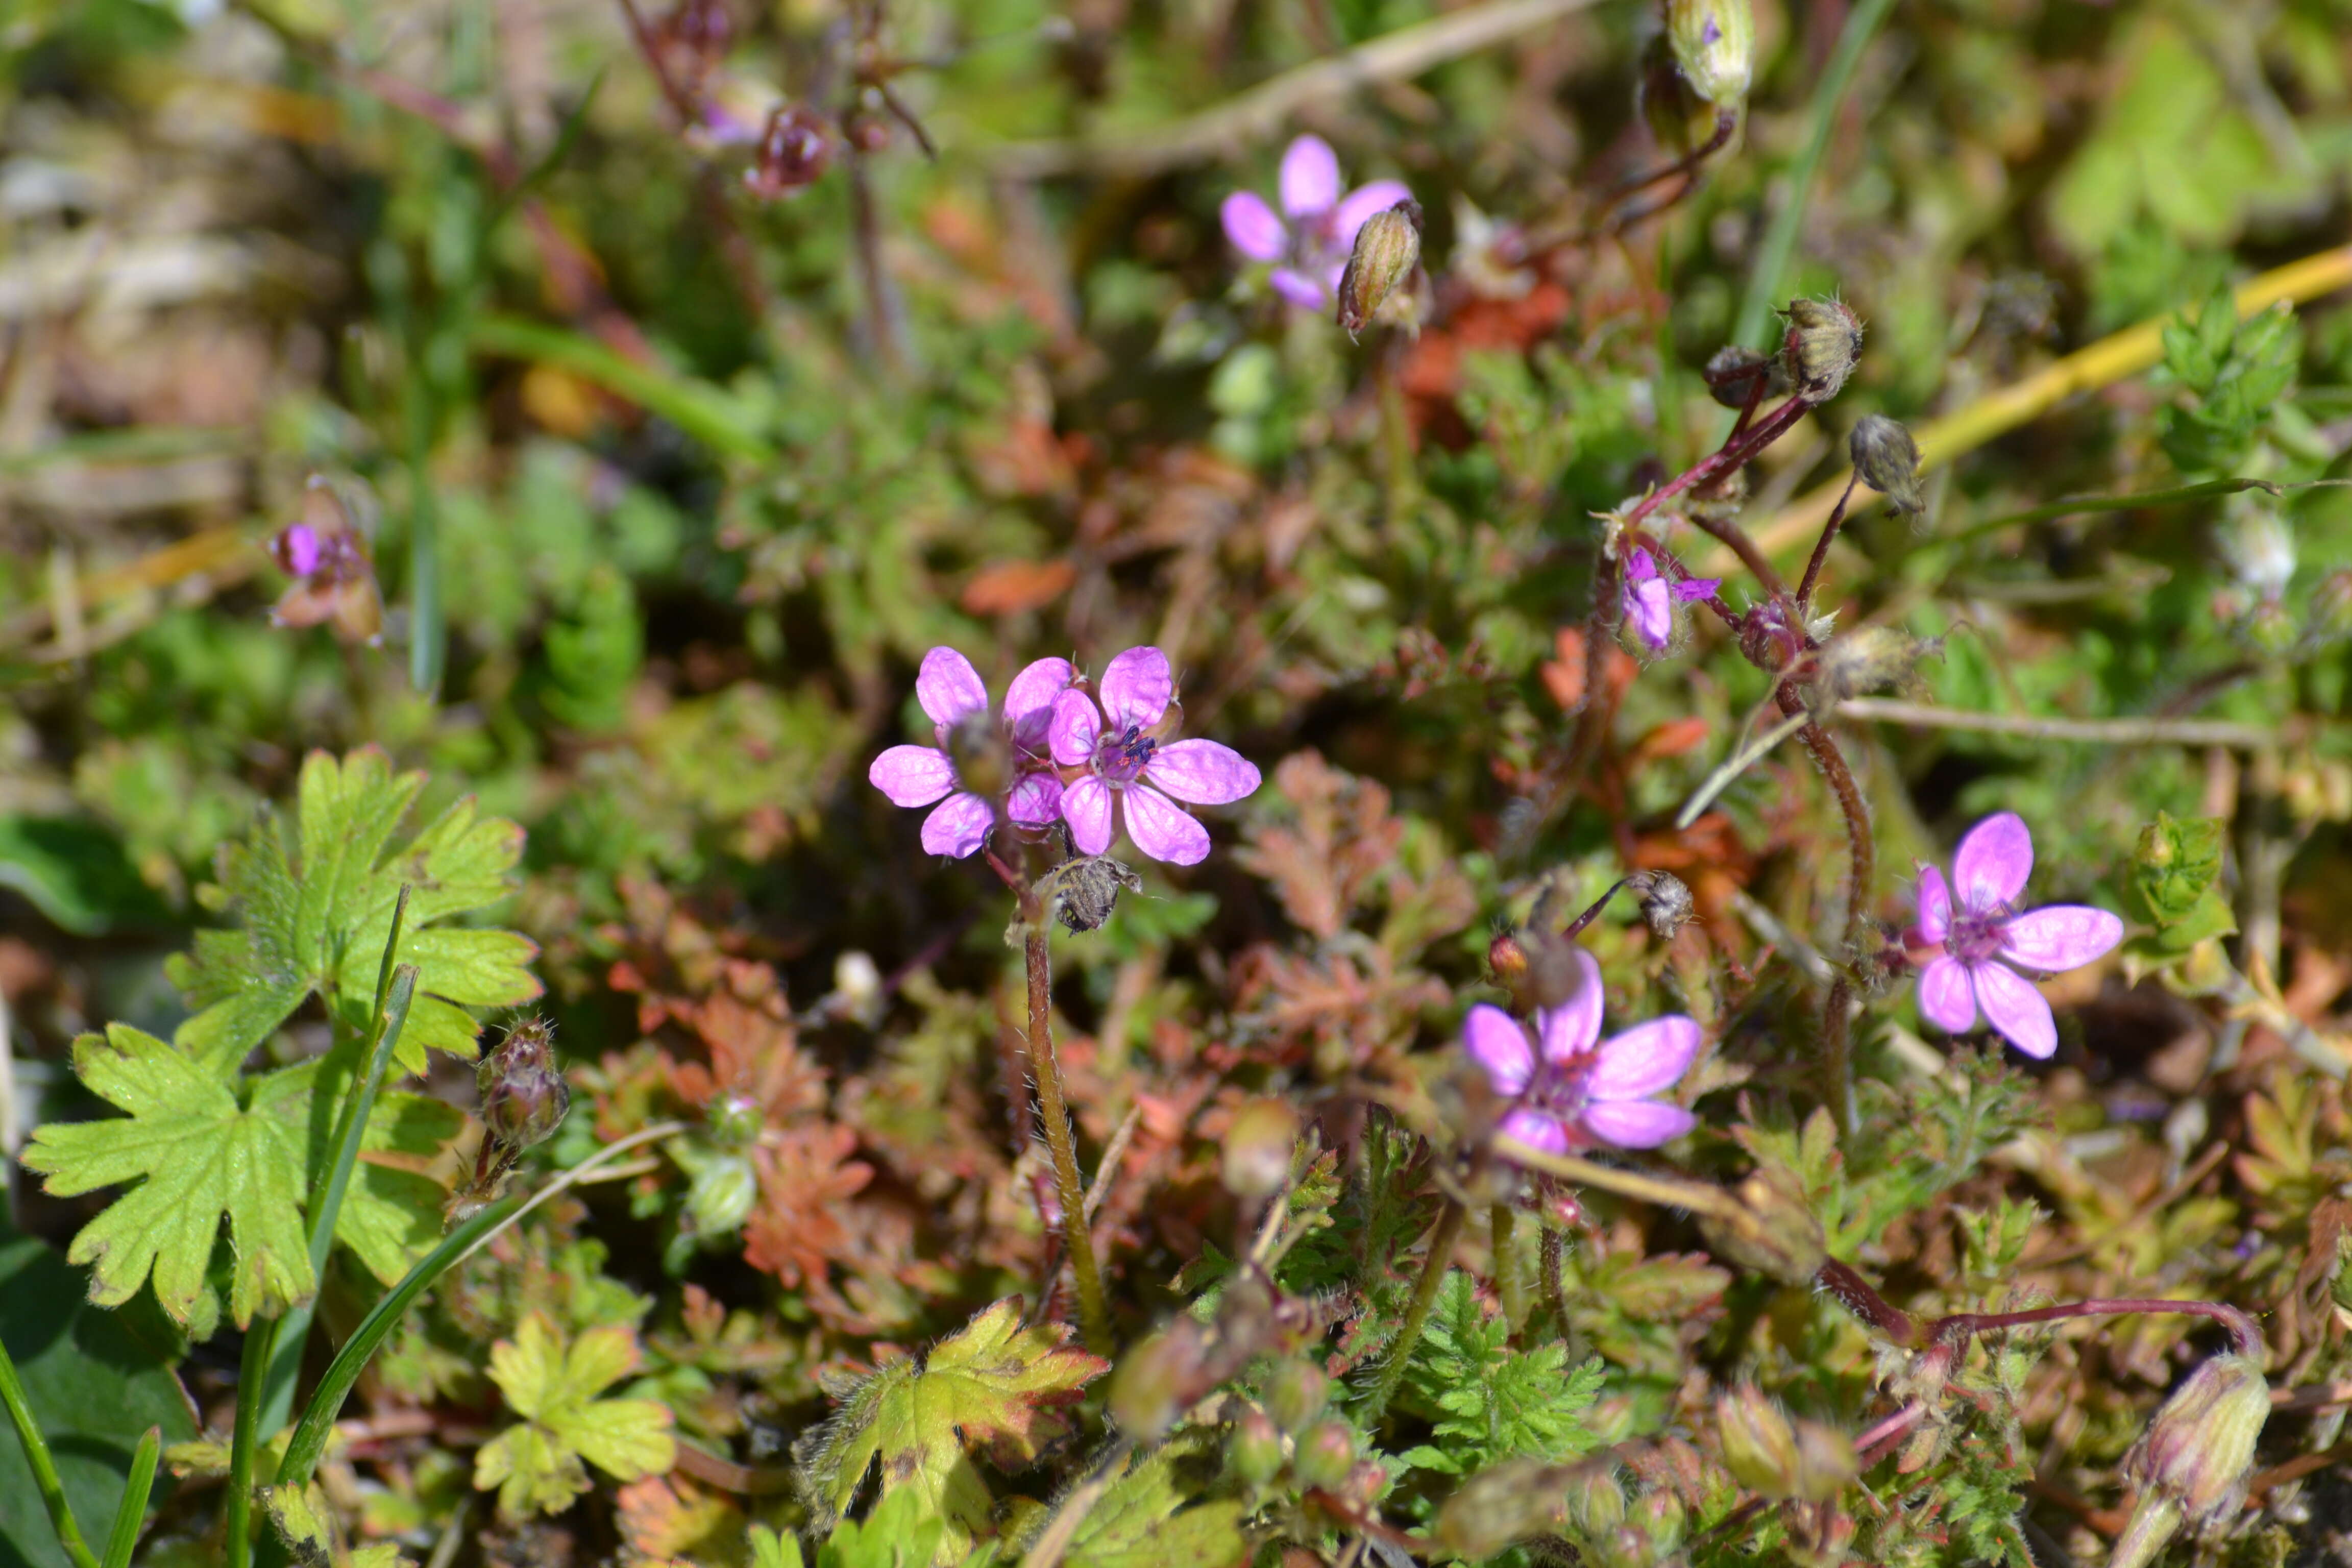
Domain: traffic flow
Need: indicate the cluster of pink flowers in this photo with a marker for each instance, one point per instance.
(1068, 763)
(1309, 241)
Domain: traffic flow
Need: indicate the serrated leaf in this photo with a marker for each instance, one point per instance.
(390, 1215)
(995, 1386)
(537, 1464)
(1146, 1520)
(898, 1533)
(1487, 1402)
(319, 922)
(193, 1154)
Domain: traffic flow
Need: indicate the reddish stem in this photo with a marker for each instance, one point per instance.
(2245, 1337)
(1821, 550)
(1856, 1295)
(1728, 458)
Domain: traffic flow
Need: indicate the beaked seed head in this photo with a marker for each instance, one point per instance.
(1387, 249)
(524, 1096)
(1887, 459)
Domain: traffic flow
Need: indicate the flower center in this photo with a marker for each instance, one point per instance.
(1120, 758)
(1558, 1087)
(1976, 938)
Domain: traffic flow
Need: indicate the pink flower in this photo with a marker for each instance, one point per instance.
(950, 692)
(1991, 869)
(1126, 761)
(1650, 599)
(1577, 1095)
(1311, 250)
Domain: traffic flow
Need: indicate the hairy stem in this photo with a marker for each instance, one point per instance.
(1821, 549)
(2245, 1338)
(1728, 458)
(1053, 1107)
(1735, 538)
(1502, 1225)
(1862, 867)
(1551, 1255)
(1856, 1295)
(1837, 1058)
(1434, 1266)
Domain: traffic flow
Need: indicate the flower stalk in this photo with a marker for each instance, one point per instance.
(1434, 1265)
(1052, 1106)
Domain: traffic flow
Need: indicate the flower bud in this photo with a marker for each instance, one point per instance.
(523, 1093)
(1773, 1231)
(1713, 47)
(1255, 1451)
(794, 151)
(1866, 659)
(1823, 343)
(1759, 1446)
(1297, 1394)
(1325, 1456)
(2269, 628)
(1254, 1158)
(1666, 903)
(1733, 372)
(1157, 1379)
(2199, 1446)
(1387, 249)
(1506, 957)
(1887, 459)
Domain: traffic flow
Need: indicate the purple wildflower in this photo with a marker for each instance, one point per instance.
(1126, 760)
(1650, 599)
(299, 549)
(1990, 870)
(950, 692)
(1311, 250)
(1577, 1095)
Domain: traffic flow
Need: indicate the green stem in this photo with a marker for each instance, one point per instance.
(1507, 1283)
(1780, 237)
(697, 408)
(251, 1376)
(1551, 1257)
(1434, 1267)
(425, 631)
(44, 1470)
(1053, 1110)
(131, 1511)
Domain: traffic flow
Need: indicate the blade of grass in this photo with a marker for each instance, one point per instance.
(1780, 237)
(703, 411)
(131, 1511)
(396, 992)
(44, 1469)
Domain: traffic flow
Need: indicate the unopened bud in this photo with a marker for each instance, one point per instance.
(1666, 903)
(1297, 1394)
(1157, 1379)
(1823, 343)
(1255, 1451)
(1867, 659)
(523, 1093)
(1887, 459)
(1596, 1503)
(1499, 1506)
(1325, 1456)
(1713, 47)
(1759, 1446)
(1254, 1158)
(794, 151)
(2199, 1446)
(1387, 249)
(1826, 1461)
(1772, 1230)
(1733, 374)
(1506, 957)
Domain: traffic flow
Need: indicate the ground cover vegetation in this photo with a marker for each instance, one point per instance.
(1345, 781)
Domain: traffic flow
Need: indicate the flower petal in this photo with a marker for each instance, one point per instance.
(1359, 207)
(1162, 829)
(2061, 936)
(1644, 1059)
(1934, 904)
(1945, 998)
(1136, 689)
(1076, 727)
(1035, 801)
(956, 825)
(1085, 806)
(1202, 772)
(1253, 227)
(1033, 691)
(1310, 177)
(1536, 1130)
(2014, 1007)
(1569, 1029)
(1640, 566)
(948, 688)
(1993, 862)
(1651, 612)
(912, 775)
(1636, 1124)
(1497, 1043)
(1299, 289)
(1691, 590)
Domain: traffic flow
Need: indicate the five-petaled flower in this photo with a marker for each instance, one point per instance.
(1650, 599)
(1128, 759)
(1989, 872)
(1580, 1094)
(1311, 250)
(950, 692)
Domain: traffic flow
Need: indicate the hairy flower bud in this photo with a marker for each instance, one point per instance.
(1255, 1451)
(1387, 249)
(1254, 1158)
(1887, 459)
(1501, 1505)
(1823, 343)
(1713, 47)
(2199, 1446)
(1325, 1456)
(1297, 1394)
(1826, 1461)
(1507, 956)
(1759, 1446)
(523, 1093)
(1733, 373)
(794, 149)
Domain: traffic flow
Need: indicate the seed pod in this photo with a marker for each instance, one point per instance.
(1713, 43)
(1254, 1158)
(1387, 249)
(1823, 341)
(1326, 1454)
(1887, 459)
(2192, 1463)
(1732, 373)
(1255, 1451)
(1297, 1394)
(524, 1097)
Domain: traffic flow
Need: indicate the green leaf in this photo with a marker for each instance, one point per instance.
(96, 1381)
(77, 874)
(194, 1156)
(319, 920)
(1487, 1402)
(2174, 873)
(391, 1214)
(772, 1548)
(537, 1466)
(899, 1534)
(995, 1385)
(1148, 1518)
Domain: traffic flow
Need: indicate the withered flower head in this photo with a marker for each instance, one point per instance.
(1823, 344)
(1084, 890)
(1665, 902)
(794, 149)
(1887, 459)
